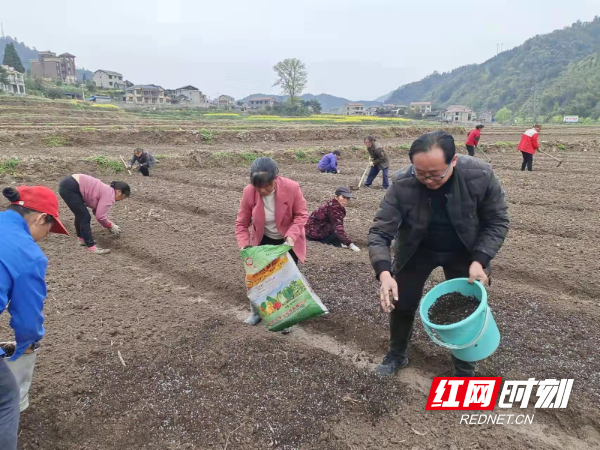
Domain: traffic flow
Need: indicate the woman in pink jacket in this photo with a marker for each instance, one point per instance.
(81, 192)
(275, 209)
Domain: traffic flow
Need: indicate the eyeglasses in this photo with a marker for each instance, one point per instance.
(432, 177)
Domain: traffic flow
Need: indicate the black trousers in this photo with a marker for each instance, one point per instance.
(268, 241)
(332, 239)
(471, 150)
(68, 188)
(144, 171)
(411, 281)
(527, 161)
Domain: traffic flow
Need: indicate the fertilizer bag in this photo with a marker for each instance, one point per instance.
(277, 288)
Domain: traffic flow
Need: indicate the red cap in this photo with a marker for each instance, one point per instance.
(41, 199)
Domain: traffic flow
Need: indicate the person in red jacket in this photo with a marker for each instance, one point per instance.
(326, 224)
(528, 145)
(473, 139)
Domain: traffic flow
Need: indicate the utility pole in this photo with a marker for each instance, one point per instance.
(2, 25)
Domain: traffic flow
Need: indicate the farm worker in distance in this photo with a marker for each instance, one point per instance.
(528, 145)
(379, 162)
(326, 224)
(473, 139)
(81, 192)
(328, 163)
(31, 216)
(443, 210)
(144, 159)
(276, 210)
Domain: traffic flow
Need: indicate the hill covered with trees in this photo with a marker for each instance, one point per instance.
(555, 73)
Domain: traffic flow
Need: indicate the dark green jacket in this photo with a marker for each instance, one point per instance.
(476, 207)
(378, 156)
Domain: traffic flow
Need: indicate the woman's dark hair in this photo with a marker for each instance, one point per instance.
(479, 127)
(427, 141)
(121, 186)
(13, 196)
(370, 138)
(337, 152)
(263, 172)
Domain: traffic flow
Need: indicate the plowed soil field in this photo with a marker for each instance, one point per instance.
(170, 298)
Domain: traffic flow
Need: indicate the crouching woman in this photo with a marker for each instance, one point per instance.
(81, 192)
(326, 224)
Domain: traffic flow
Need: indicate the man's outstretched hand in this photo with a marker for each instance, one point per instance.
(388, 291)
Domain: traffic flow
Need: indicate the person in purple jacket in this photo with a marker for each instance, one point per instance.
(328, 163)
(81, 192)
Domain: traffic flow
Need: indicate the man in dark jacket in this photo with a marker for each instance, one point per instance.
(444, 210)
(379, 162)
(144, 159)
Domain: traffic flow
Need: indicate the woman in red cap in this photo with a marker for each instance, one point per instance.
(31, 216)
(81, 192)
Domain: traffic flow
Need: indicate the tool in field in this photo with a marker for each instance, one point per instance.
(361, 179)
(125, 165)
(553, 157)
(486, 155)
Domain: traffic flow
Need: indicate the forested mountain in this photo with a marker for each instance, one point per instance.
(557, 67)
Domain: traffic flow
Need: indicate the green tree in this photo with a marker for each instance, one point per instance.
(557, 119)
(503, 115)
(11, 58)
(291, 77)
(314, 104)
(90, 86)
(3, 75)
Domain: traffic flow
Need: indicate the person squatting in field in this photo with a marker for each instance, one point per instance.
(81, 192)
(31, 216)
(276, 210)
(328, 163)
(144, 159)
(473, 140)
(326, 224)
(379, 161)
(443, 210)
(528, 145)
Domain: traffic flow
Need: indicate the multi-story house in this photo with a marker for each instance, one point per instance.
(353, 109)
(261, 102)
(225, 101)
(422, 107)
(190, 95)
(60, 68)
(459, 114)
(145, 93)
(107, 79)
(15, 81)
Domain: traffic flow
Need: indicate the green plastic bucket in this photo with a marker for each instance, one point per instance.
(472, 339)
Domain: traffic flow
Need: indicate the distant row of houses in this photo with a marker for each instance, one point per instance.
(452, 114)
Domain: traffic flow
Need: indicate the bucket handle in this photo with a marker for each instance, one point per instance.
(462, 346)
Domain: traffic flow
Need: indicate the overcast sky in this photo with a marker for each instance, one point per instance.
(358, 49)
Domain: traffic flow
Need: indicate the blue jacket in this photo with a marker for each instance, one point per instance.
(328, 162)
(22, 281)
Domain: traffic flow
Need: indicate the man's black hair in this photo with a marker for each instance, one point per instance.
(427, 141)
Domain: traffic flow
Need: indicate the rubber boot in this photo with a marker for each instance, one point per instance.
(254, 316)
(463, 368)
(401, 328)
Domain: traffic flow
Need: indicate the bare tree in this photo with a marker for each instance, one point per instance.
(292, 77)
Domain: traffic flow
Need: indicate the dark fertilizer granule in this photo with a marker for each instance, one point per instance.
(452, 308)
